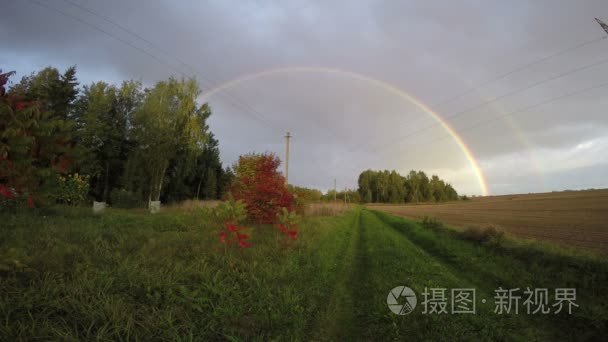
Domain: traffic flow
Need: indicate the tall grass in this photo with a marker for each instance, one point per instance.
(327, 208)
(126, 274)
(66, 274)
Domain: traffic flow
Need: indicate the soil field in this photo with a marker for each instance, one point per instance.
(574, 218)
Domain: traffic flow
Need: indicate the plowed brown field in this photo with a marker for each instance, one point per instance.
(575, 218)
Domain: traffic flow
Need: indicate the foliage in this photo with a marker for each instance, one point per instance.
(123, 198)
(71, 189)
(346, 196)
(10, 201)
(196, 178)
(390, 187)
(287, 223)
(231, 235)
(327, 208)
(168, 125)
(488, 234)
(127, 275)
(102, 116)
(303, 197)
(36, 133)
(261, 187)
(152, 142)
(231, 213)
(210, 189)
(432, 223)
(208, 180)
(230, 210)
(306, 194)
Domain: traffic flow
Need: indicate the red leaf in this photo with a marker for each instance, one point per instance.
(262, 188)
(232, 227)
(242, 236)
(6, 192)
(244, 244)
(223, 237)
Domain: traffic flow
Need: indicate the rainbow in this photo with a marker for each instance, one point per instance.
(375, 82)
(525, 142)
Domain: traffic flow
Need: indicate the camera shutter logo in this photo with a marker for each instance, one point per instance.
(401, 300)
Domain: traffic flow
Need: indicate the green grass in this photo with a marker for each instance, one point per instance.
(127, 275)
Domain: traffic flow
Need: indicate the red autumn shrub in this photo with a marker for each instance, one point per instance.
(230, 213)
(230, 235)
(261, 187)
(288, 222)
(36, 144)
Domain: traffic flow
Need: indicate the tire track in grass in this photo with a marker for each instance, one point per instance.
(400, 261)
(348, 317)
(430, 246)
(360, 286)
(474, 267)
(357, 308)
(329, 324)
(379, 257)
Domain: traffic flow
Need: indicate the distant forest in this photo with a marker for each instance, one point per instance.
(391, 187)
(127, 145)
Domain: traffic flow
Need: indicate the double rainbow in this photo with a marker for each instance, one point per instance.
(375, 82)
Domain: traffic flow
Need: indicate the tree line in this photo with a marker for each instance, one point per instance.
(131, 145)
(391, 187)
(148, 144)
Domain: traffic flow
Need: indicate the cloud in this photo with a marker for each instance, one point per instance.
(432, 50)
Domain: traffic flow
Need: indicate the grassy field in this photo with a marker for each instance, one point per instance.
(126, 275)
(573, 218)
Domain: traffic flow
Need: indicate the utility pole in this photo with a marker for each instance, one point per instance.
(287, 137)
(335, 191)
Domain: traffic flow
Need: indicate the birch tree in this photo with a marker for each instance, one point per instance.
(169, 120)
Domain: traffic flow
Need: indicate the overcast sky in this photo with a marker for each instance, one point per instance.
(356, 116)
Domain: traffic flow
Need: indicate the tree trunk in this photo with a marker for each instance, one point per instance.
(198, 189)
(161, 177)
(106, 182)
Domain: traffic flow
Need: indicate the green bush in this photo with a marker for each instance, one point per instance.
(431, 223)
(9, 205)
(71, 189)
(121, 198)
(228, 211)
(489, 234)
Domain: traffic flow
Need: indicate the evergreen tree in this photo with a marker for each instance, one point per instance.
(37, 140)
(210, 184)
(390, 187)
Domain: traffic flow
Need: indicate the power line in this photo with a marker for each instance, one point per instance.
(256, 114)
(126, 42)
(518, 69)
(208, 80)
(490, 101)
(442, 103)
(490, 81)
(260, 117)
(515, 112)
(125, 29)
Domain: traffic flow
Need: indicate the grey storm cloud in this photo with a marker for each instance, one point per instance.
(342, 124)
